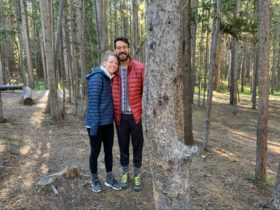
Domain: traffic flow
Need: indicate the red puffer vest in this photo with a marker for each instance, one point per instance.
(135, 80)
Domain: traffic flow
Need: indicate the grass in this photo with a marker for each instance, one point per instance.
(269, 179)
(224, 89)
(40, 85)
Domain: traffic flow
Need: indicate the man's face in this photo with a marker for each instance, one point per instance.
(122, 50)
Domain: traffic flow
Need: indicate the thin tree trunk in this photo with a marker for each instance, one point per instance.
(21, 45)
(200, 60)
(116, 19)
(25, 32)
(255, 65)
(101, 23)
(214, 46)
(263, 70)
(234, 67)
(45, 8)
(135, 28)
(217, 83)
(206, 66)
(187, 72)
(193, 43)
(81, 24)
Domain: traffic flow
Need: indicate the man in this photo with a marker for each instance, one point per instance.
(127, 99)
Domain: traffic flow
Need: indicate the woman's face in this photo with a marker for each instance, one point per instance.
(111, 64)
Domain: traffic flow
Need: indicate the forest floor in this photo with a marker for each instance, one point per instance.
(33, 146)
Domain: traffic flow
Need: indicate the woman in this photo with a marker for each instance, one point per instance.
(99, 119)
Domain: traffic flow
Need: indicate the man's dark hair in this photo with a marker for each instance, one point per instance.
(124, 39)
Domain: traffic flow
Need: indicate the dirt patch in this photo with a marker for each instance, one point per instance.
(32, 146)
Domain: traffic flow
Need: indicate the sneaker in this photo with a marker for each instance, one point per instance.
(96, 187)
(124, 181)
(113, 184)
(137, 186)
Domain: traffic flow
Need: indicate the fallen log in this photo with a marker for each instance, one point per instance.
(27, 96)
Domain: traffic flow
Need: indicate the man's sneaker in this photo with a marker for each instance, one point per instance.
(125, 181)
(113, 184)
(96, 187)
(137, 186)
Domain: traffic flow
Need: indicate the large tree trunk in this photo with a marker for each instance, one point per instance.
(45, 8)
(163, 89)
(25, 33)
(214, 45)
(263, 67)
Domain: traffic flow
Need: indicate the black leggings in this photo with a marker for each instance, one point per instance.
(105, 134)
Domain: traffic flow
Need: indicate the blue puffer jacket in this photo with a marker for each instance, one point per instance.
(100, 103)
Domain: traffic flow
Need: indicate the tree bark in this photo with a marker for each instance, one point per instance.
(187, 70)
(101, 23)
(219, 56)
(45, 8)
(25, 32)
(275, 203)
(263, 71)
(81, 24)
(214, 45)
(135, 28)
(169, 162)
(194, 5)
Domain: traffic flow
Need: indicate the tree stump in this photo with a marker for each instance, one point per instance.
(27, 96)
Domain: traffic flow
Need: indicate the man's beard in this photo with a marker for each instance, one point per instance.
(123, 58)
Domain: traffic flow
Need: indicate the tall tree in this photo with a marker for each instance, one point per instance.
(255, 66)
(101, 23)
(194, 6)
(162, 91)
(214, 46)
(263, 67)
(45, 8)
(81, 27)
(187, 71)
(135, 28)
(234, 65)
(25, 32)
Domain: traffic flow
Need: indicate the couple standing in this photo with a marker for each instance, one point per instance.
(115, 91)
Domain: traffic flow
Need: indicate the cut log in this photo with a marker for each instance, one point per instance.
(73, 171)
(27, 96)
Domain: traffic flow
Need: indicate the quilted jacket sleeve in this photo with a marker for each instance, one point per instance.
(94, 96)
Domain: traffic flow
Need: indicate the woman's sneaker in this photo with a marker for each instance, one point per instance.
(137, 186)
(113, 184)
(96, 187)
(125, 181)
